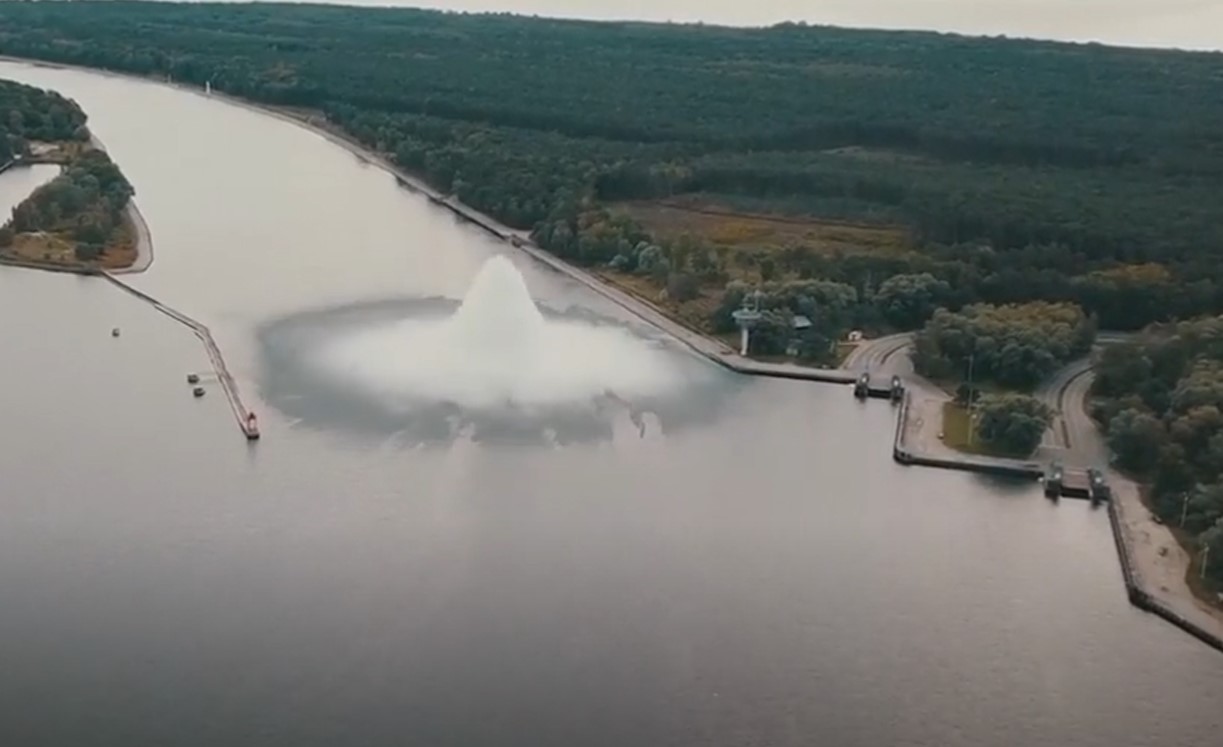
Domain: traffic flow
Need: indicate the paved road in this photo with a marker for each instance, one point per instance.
(1053, 392)
(1073, 436)
(883, 356)
(1157, 561)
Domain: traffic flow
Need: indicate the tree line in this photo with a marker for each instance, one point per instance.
(1014, 346)
(86, 202)
(28, 113)
(1160, 399)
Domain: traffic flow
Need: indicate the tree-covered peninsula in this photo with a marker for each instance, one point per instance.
(28, 113)
(917, 170)
(79, 216)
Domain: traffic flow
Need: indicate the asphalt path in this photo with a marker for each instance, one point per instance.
(883, 356)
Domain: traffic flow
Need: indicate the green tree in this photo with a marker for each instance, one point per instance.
(1136, 438)
(1012, 423)
(907, 301)
(1016, 345)
(1213, 539)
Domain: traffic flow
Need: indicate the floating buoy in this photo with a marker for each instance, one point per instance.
(193, 378)
(114, 332)
(198, 391)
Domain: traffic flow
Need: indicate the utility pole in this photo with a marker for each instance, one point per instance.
(972, 400)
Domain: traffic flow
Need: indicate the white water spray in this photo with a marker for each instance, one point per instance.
(498, 350)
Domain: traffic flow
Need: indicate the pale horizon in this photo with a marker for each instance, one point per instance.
(1174, 24)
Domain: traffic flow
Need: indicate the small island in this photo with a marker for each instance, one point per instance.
(80, 219)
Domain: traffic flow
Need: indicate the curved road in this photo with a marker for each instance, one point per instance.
(881, 355)
(1073, 431)
(1157, 561)
(1072, 434)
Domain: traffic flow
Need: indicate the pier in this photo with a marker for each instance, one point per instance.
(247, 422)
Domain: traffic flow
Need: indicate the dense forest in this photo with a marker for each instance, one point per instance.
(82, 208)
(1161, 399)
(85, 203)
(1015, 346)
(1018, 170)
(28, 113)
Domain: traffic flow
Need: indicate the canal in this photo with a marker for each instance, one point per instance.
(749, 568)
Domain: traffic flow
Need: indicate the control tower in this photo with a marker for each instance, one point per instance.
(747, 316)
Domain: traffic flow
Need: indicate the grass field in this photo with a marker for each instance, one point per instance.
(694, 313)
(957, 429)
(60, 248)
(42, 247)
(723, 226)
(742, 240)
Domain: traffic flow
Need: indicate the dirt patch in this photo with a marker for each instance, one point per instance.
(42, 247)
(58, 152)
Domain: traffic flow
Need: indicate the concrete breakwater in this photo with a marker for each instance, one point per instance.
(243, 414)
(1136, 589)
(1142, 599)
(903, 454)
(229, 385)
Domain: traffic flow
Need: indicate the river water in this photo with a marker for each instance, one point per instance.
(1189, 24)
(764, 576)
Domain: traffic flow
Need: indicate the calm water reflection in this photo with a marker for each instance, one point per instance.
(18, 182)
(770, 578)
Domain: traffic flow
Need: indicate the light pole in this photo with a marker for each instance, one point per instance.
(1205, 559)
(972, 401)
(1184, 508)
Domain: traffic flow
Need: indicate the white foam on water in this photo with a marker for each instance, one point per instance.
(496, 350)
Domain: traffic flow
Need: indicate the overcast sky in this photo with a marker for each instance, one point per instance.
(1196, 24)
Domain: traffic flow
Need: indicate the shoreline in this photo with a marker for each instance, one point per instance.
(142, 238)
(1205, 621)
(705, 345)
(1154, 565)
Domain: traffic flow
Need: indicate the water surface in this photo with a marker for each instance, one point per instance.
(768, 577)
